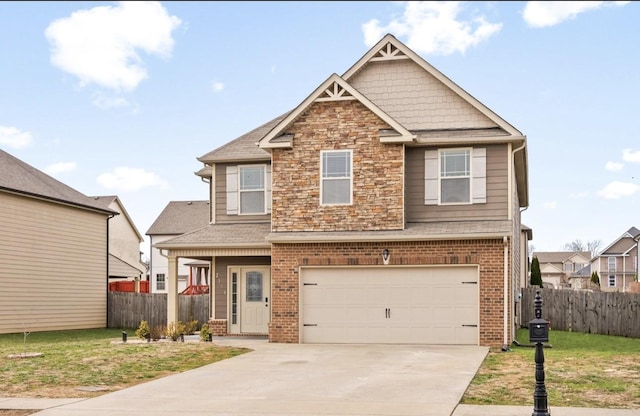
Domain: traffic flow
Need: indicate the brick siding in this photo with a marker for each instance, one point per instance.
(287, 259)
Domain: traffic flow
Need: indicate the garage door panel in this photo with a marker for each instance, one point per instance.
(431, 305)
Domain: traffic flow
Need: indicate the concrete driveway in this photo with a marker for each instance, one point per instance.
(292, 379)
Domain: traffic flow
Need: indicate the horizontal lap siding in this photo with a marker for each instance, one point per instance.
(497, 190)
(220, 208)
(52, 266)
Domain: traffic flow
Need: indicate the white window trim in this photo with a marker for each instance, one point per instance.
(470, 176)
(609, 269)
(264, 189)
(432, 178)
(322, 153)
(615, 280)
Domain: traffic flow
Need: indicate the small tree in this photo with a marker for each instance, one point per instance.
(595, 279)
(536, 275)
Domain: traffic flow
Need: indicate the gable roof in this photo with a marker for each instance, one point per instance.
(390, 48)
(180, 217)
(632, 233)
(110, 199)
(559, 256)
(21, 178)
(334, 89)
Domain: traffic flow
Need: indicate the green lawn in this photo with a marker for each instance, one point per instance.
(582, 370)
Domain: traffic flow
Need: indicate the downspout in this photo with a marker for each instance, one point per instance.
(506, 298)
(107, 294)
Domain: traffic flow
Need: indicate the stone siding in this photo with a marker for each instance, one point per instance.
(378, 169)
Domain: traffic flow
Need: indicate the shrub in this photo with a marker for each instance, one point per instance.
(157, 332)
(205, 332)
(174, 330)
(191, 327)
(143, 330)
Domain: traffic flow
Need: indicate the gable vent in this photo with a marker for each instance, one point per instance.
(388, 53)
(335, 92)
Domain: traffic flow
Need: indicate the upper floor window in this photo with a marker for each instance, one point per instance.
(612, 264)
(248, 189)
(568, 267)
(455, 176)
(251, 189)
(335, 177)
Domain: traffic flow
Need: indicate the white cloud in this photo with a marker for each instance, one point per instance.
(550, 13)
(550, 205)
(617, 190)
(100, 45)
(629, 155)
(60, 167)
(14, 138)
(130, 179)
(217, 86)
(434, 27)
(614, 166)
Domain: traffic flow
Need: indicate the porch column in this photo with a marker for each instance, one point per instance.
(172, 295)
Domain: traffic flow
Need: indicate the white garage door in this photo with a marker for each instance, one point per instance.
(399, 305)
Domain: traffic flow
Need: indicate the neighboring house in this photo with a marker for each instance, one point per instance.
(384, 208)
(557, 267)
(617, 264)
(124, 243)
(177, 218)
(53, 253)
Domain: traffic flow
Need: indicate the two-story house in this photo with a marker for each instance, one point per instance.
(384, 208)
(557, 267)
(53, 252)
(617, 264)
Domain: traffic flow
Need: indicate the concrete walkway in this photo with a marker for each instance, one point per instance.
(293, 379)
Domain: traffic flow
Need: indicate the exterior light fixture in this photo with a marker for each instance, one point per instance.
(385, 256)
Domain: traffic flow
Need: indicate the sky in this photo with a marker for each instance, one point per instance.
(120, 98)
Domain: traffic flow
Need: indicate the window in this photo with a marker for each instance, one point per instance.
(455, 176)
(612, 280)
(251, 189)
(160, 281)
(248, 189)
(568, 267)
(335, 174)
(612, 264)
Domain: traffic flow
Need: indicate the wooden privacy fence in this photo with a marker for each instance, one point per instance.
(605, 313)
(126, 310)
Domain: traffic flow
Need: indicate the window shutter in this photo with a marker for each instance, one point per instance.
(479, 172)
(232, 190)
(431, 177)
(268, 188)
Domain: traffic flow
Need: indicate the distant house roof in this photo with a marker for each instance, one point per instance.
(558, 256)
(108, 200)
(632, 233)
(180, 217)
(18, 177)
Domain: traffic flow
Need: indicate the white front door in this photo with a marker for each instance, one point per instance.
(255, 297)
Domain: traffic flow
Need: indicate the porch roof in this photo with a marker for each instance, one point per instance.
(221, 236)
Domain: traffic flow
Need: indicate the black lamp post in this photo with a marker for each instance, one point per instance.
(539, 333)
